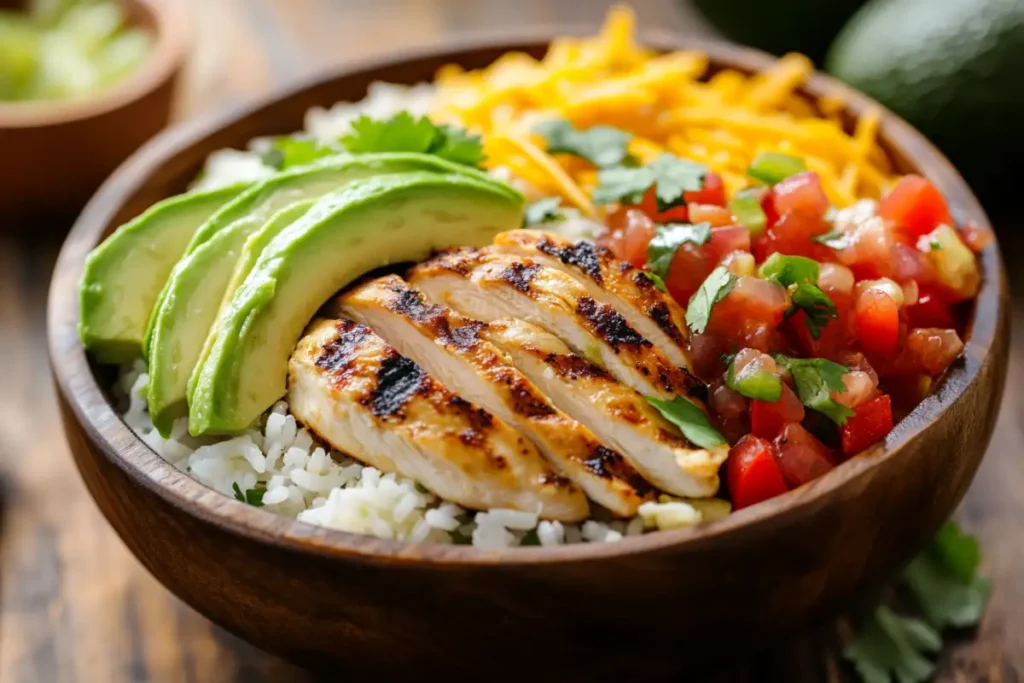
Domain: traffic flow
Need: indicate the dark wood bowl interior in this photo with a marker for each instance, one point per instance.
(642, 603)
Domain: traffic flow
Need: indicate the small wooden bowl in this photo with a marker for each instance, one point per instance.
(60, 151)
(647, 607)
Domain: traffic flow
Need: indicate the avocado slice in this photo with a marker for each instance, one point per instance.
(190, 301)
(188, 306)
(124, 275)
(368, 224)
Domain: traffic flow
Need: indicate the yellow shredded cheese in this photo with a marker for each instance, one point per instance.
(668, 104)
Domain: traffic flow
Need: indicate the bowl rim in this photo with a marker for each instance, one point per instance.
(166, 57)
(87, 402)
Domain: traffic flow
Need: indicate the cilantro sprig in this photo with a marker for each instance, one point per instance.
(691, 420)
(602, 146)
(253, 496)
(670, 175)
(943, 581)
(815, 380)
(404, 133)
(543, 211)
(667, 240)
(715, 287)
(800, 276)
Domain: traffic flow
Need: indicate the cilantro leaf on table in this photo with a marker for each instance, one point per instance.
(668, 238)
(691, 420)
(815, 380)
(715, 287)
(943, 580)
(670, 175)
(542, 211)
(253, 497)
(602, 146)
(287, 152)
(890, 647)
(404, 133)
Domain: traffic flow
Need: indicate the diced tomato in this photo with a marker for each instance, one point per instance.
(688, 269)
(976, 236)
(792, 234)
(752, 472)
(706, 352)
(915, 206)
(909, 264)
(801, 457)
(800, 193)
(869, 253)
(717, 216)
(649, 205)
(750, 314)
(730, 407)
(628, 233)
(768, 419)
(877, 323)
(931, 310)
(933, 349)
(713, 191)
(870, 423)
(725, 240)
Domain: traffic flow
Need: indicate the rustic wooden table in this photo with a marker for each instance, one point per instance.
(76, 606)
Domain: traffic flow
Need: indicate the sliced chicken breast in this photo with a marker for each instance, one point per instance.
(487, 285)
(648, 310)
(449, 346)
(359, 395)
(617, 415)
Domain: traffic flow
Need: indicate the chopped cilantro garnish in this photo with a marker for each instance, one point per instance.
(670, 175)
(403, 133)
(836, 239)
(287, 152)
(659, 283)
(815, 380)
(530, 538)
(715, 287)
(602, 146)
(934, 245)
(253, 497)
(691, 420)
(800, 275)
(542, 211)
(668, 238)
(771, 167)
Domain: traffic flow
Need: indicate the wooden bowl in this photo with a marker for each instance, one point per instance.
(60, 151)
(647, 607)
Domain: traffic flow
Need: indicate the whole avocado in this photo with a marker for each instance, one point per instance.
(806, 26)
(952, 68)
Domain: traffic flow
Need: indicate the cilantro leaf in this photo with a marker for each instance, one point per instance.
(942, 579)
(691, 420)
(253, 497)
(659, 283)
(836, 239)
(715, 287)
(670, 175)
(403, 133)
(287, 152)
(815, 380)
(457, 145)
(817, 305)
(790, 270)
(668, 238)
(400, 133)
(542, 211)
(890, 647)
(602, 146)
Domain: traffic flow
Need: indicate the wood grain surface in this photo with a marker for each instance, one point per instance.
(76, 606)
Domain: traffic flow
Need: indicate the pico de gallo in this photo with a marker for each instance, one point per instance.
(815, 329)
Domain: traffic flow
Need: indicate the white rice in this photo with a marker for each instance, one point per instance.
(300, 478)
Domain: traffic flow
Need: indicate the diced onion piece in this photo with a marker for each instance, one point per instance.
(955, 265)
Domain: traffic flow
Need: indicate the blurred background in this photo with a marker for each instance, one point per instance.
(74, 605)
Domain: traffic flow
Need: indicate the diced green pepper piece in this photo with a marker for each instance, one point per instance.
(771, 167)
(746, 208)
(754, 383)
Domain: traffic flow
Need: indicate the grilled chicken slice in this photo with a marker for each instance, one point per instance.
(649, 311)
(487, 285)
(617, 415)
(448, 345)
(359, 395)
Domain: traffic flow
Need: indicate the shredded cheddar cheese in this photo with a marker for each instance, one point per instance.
(667, 104)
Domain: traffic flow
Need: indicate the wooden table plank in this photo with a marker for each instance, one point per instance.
(75, 606)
